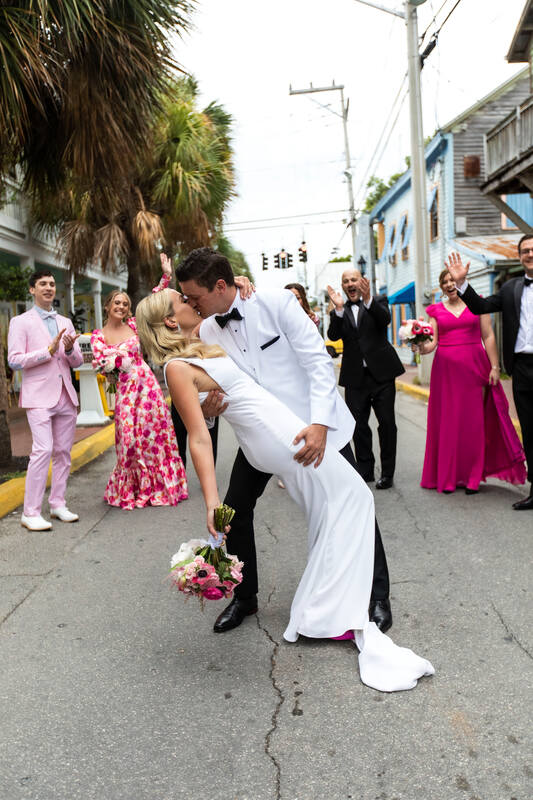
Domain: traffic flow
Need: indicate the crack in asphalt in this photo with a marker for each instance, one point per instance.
(279, 702)
(44, 575)
(271, 532)
(410, 514)
(511, 632)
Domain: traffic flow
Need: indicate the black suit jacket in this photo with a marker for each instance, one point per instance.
(508, 301)
(365, 341)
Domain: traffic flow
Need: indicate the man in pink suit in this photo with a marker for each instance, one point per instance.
(43, 345)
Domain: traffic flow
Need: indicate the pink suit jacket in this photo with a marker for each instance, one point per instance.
(43, 375)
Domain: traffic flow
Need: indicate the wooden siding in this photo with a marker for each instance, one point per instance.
(482, 217)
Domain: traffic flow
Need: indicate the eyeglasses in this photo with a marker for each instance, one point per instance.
(526, 251)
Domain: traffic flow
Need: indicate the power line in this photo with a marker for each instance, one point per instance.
(371, 164)
(284, 225)
(289, 216)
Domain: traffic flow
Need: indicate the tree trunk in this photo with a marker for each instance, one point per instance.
(134, 283)
(5, 437)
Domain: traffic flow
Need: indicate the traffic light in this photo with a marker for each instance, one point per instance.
(302, 252)
(289, 260)
(265, 261)
(276, 261)
(283, 258)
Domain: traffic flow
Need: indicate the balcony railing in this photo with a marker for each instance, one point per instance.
(510, 139)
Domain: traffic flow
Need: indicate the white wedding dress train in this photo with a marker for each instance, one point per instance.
(334, 591)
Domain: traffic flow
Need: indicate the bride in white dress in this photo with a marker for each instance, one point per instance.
(334, 591)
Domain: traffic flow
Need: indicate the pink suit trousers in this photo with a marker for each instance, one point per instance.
(52, 430)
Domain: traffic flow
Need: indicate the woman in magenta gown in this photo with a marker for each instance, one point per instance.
(470, 436)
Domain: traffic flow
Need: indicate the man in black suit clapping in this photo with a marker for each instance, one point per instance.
(369, 366)
(515, 301)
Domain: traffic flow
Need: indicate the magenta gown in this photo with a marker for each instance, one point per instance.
(470, 436)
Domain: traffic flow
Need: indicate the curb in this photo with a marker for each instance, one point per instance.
(12, 492)
(423, 394)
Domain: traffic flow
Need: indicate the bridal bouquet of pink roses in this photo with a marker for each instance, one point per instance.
(415, 331)
(204, 568)
(113, 366)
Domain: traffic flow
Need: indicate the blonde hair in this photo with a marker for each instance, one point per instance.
(109, 299)
(161, 343)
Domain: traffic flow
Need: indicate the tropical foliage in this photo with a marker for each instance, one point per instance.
(175, 194)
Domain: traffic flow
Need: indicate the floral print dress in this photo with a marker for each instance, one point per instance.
(149, 469)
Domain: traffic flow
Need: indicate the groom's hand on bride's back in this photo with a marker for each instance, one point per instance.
(315, 437)
(214, 404)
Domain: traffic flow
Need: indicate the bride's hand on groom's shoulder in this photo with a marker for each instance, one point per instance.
(245, 286)
(214, 404)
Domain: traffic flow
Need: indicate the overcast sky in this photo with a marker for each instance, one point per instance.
(289, 150)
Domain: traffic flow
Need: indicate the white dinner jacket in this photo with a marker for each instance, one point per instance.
(287, 356)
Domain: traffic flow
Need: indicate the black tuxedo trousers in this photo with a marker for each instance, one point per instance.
(246, 486)
(523, 400)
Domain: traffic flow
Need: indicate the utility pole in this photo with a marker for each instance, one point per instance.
(347, 172)
(418, 164)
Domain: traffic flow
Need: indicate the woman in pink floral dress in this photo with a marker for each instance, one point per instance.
(149, 470)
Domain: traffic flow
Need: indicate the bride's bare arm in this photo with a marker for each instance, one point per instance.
(184, 395)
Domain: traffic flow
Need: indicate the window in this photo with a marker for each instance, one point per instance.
(392, 255)
(434, 215)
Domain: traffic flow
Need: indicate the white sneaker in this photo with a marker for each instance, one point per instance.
(63, 514)
(35, 523)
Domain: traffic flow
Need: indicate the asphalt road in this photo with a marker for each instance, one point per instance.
(113, 688)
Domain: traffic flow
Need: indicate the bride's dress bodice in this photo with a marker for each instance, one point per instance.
(252, 411)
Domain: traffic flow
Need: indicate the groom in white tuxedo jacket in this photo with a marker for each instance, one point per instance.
(274, 341)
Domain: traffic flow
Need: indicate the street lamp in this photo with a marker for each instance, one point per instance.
(362, 264)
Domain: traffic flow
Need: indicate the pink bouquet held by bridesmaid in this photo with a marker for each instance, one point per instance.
(415, 331)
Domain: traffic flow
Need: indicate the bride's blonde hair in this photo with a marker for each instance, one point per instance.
(162, 343)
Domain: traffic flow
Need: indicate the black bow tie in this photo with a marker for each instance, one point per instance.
(350, 303)
(225, 318)
(528, 281)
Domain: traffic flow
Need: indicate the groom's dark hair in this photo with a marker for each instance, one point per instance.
(206, 267)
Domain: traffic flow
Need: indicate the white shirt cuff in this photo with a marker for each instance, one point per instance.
(463, 287)
(339, 312)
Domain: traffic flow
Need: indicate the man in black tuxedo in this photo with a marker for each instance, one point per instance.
(515, 302)
(369, 366)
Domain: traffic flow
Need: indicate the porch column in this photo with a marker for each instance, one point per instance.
(97, 300)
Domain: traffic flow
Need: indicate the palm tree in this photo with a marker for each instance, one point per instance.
(78, 85)
(176, 193)
(79, 81)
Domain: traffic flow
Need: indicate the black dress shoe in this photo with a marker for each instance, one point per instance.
(524, 505)
(233, 615)
(368, 478)
(471, 491)
(384, 483)
(380, 613)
